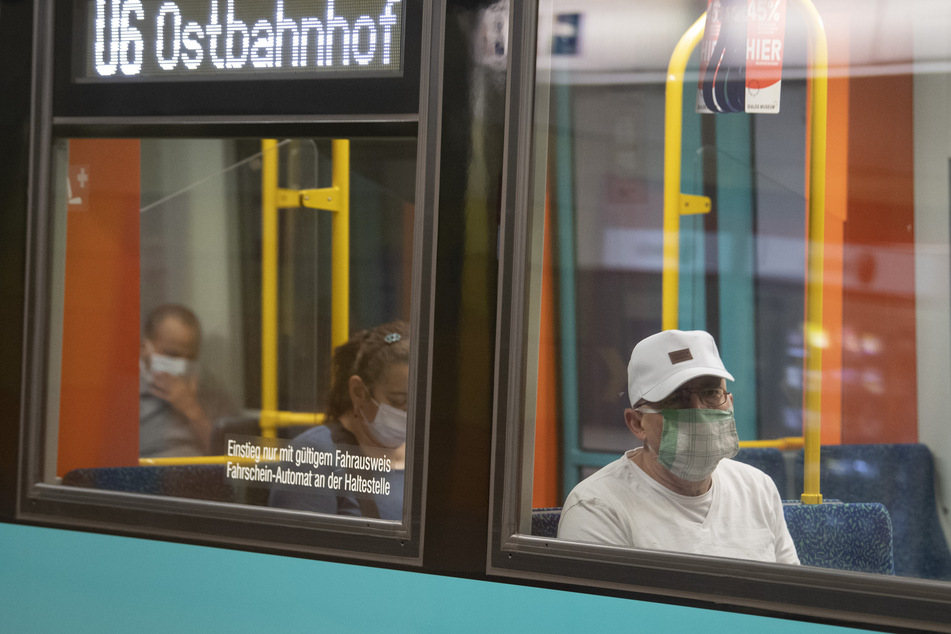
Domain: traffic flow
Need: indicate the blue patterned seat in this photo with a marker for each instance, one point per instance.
(856, 537)
(901, 477)
(203, 482)
(545, 521)
(768, 460)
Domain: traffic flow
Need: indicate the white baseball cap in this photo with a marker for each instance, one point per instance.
(663, 362)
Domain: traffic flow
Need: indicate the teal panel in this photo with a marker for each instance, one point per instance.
(564, 213)
(64, 581)
(734, 209)
(692, 302)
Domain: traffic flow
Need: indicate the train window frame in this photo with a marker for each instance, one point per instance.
(264, 529)
(713, 583)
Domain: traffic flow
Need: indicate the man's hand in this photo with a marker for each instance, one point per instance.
(181, 392)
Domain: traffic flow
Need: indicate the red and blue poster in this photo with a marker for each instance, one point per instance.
(741, 56)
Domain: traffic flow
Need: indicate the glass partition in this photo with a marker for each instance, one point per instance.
(229, 320)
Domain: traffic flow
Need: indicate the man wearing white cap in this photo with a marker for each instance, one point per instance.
(680, 491)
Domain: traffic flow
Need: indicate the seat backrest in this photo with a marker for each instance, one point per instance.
(545, 521)
(243, 425)
(901, 477)
(856, 537)
(203, 482)
(768, 460)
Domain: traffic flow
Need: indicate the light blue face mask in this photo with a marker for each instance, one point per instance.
(694, 441)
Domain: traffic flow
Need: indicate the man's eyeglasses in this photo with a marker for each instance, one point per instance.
(711, 397)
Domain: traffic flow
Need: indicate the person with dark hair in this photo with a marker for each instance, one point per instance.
(177, 405)
(366, 413)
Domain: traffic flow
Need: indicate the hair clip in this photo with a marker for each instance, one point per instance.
(393, 337)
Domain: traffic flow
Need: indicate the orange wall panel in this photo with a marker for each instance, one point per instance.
(99, 411)
(879, 362)
(838, 25)
(545, 491)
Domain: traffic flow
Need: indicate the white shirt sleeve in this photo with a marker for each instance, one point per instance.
(591, 521)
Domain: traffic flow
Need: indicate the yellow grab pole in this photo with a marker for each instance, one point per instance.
(673, 133)
(673, 208)
(269, 335)
(335, 199)
(818, 107)
(340, 238)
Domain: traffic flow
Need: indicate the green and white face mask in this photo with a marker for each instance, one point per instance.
(694, 441)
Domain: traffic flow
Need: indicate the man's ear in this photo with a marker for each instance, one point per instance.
(633, 419)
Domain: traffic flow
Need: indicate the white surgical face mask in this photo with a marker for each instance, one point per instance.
(388, 428)
(176, 366)
(694, 441)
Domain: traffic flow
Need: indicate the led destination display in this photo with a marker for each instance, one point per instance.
(156, 39)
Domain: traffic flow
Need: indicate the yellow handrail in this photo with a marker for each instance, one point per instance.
(817, 86)
(783, 444)
(673, 134)
(187, 460)
(674, 203)
(340, 293)
(336, 199)
(269, 275)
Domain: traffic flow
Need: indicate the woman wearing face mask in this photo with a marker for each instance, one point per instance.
(366, 419)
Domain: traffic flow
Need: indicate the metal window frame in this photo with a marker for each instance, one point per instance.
(211, 523)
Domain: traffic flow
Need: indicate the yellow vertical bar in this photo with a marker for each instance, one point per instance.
(814, 339)
(673, 132)
(818, 108)
(269, 223)
(340, 237)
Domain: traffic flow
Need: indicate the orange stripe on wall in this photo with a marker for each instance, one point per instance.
(545, 480)
(837, 179)
(99, 405)
(879, 404)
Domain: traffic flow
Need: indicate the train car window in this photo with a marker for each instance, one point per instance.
(227, 273)
(230, 322)
(756, 195)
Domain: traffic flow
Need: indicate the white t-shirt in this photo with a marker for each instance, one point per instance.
(741, 516)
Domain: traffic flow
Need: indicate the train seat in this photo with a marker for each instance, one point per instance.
(202, 482)
(545, 521)
(856, 537)
(243, 425)
(768, 460)
(902, 478)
